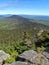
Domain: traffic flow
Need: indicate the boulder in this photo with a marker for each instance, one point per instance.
(3, 56)
(32, 57)
(21, 63)
(29, 56)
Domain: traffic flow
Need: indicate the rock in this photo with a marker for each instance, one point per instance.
(46, 63)
(40, 32)
(46, 54)
(28, 43)
(3, 56)
(32, 57)
(21, 63)
(6, 64)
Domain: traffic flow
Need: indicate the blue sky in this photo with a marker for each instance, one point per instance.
(30, 7)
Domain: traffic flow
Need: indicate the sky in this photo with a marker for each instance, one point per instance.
(27, 7)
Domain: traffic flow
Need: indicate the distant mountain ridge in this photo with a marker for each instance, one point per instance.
(3, 16)
(17, 17)
(36, 17)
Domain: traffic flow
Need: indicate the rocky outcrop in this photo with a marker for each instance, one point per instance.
(3, 56)
(21, 63)
(31, 58)
(40, 32)
(28, 43)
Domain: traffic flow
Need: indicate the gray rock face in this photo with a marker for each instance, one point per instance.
(46, 63)
(31, 56)
(46, 54)
(21, 63)
(6, 64)
(3, 56)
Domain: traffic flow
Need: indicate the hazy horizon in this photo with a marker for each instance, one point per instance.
(24, 14)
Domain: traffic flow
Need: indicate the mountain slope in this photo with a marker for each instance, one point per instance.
(15, 22)
(38, 18)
